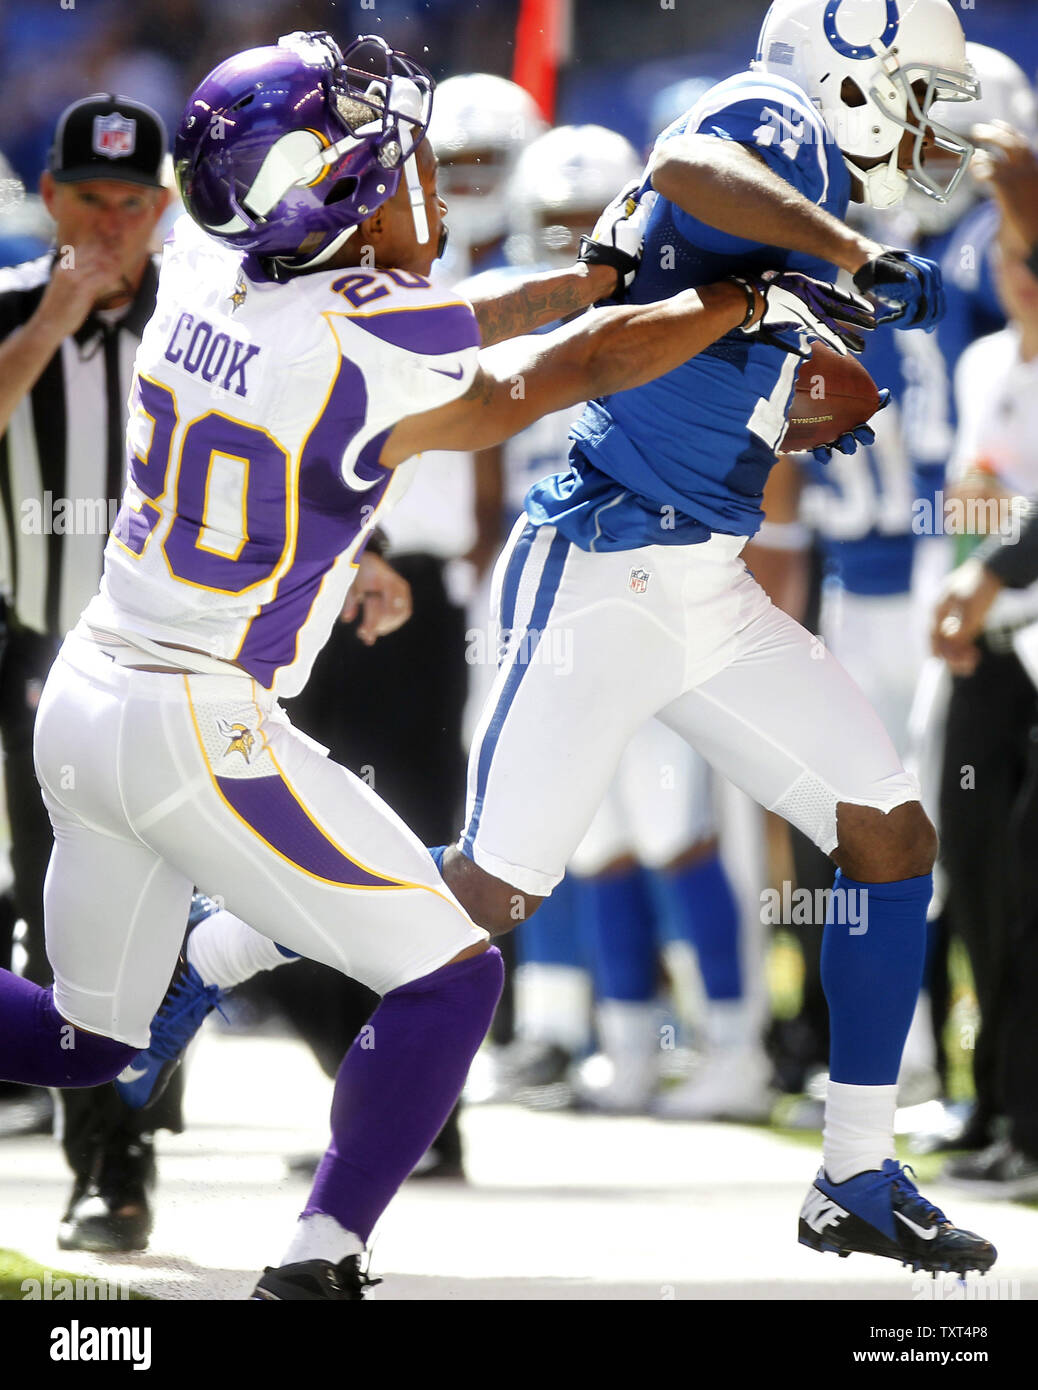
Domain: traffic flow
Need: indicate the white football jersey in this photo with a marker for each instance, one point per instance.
(257, 415)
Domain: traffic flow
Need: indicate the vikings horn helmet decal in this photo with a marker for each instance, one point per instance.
(284, 151)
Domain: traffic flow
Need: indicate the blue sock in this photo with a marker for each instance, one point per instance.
(873, 955)
(40, 1048)
(617, 917)
(553, 935)
(697, 905)
(436, 853)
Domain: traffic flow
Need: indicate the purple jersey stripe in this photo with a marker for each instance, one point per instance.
(441, 328)
(269, 807)
(330, 516)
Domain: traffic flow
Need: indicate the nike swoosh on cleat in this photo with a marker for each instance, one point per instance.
(132, 1074)
(455, 376)
(923, 1232)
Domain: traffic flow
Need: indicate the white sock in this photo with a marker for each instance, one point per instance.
(553, 1005)
(227, 952)
(629, 1032)
(320, 1237)
(730, 1026)
(859, 1129)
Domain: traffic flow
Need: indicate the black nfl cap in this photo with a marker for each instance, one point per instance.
(109, 137)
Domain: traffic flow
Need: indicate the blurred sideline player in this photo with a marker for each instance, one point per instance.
(991, 722)
(221, 585)
(481, 126)
(665, 481)
(964, 242)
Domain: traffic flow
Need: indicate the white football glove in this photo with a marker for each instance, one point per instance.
(798, 309)
(617, 237)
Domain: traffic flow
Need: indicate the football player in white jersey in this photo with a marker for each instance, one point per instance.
(295, 337)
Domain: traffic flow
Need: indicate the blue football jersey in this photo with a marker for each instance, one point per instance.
(689, 453)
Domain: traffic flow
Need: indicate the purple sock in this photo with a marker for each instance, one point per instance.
(397, 1085)
(39, 1048)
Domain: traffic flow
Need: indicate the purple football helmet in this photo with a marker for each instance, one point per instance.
(284, 151)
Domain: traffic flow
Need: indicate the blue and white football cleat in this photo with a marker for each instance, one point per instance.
(881, 1212)
(180, 1015)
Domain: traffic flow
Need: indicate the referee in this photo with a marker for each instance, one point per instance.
(70, 323)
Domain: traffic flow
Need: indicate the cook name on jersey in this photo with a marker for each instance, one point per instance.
(688, 453)
(258, 412)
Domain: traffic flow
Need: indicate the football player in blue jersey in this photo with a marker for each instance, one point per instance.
(632, 554)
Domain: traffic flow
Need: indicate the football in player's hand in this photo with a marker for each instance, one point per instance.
(833, 395)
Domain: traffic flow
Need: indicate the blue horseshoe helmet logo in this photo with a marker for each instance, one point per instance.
(850, 50)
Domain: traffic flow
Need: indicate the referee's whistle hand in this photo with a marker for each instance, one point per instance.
(82, 277)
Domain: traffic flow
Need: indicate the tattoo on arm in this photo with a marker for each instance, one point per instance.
(530, 306)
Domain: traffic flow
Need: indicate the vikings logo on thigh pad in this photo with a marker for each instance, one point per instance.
(241, 738)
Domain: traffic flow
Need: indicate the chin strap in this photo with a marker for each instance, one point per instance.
(292, 265)
(885, 185)
(417, 195)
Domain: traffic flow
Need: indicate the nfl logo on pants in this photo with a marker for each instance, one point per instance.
(638, 581)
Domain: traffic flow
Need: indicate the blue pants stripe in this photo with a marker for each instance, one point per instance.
(547, 588)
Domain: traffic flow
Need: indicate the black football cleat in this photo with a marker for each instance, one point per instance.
(881, 1212)
(111, 1213)
(315, 1280)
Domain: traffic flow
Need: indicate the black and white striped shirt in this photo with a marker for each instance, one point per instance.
(62, 458)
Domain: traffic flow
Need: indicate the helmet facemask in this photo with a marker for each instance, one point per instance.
(873, 71)
(889, 180)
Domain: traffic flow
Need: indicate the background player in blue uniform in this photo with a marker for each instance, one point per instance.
(634, 552)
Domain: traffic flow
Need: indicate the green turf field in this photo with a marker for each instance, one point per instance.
(24, 1279)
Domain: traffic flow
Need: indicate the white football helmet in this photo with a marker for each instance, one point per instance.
(565, 177)
(858, 60)
(480, 125)
(1005, 95)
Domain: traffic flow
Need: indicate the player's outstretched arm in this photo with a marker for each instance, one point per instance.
(614, 349)
(729, 187)
(607, 263)
(540, 299)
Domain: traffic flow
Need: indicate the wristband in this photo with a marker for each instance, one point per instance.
(751, 298)
(600, 253)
